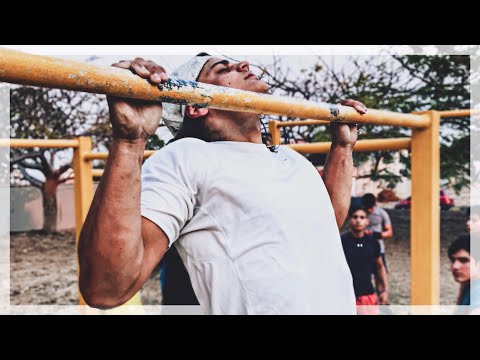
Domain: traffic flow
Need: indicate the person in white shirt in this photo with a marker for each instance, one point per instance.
(256, 227)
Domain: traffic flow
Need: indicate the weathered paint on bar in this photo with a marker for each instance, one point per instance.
(22, 68)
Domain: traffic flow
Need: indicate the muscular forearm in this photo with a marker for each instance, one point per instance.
(110, 247)
(337, 176)
(387, 234)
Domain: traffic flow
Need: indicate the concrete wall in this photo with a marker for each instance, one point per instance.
(26, 208)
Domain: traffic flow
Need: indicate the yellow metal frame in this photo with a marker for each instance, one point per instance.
(83, 188)
(425, 214)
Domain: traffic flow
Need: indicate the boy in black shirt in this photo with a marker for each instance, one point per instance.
(362, 252)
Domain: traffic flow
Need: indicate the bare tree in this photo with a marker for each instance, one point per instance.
(39, 113)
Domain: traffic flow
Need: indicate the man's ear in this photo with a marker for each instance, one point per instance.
(195, 112)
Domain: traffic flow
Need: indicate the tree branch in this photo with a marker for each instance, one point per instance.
(333, 74)
(412, 71)
(34, 182)
(364, 176)
(66, 179)
(46, 166)
(26, 156)
(377, 163)
(64, 168)
(24, 164)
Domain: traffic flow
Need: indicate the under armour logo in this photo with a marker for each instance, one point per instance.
(359, 245)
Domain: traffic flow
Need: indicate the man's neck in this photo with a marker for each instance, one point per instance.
(250, 137)
(358, 234)
(236, 126)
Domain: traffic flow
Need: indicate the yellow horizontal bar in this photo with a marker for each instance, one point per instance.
(459, 113)
(361, 145)
(97, 172)
(41, 143)
(22, 68)
(302, 123)
(104, 155)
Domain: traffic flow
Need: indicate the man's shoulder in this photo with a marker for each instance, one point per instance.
(186, 143)
(381, 211)
(186, 146)
(183, 153)
(296, 157)
(289, 151)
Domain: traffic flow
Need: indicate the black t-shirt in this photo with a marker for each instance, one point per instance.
(362, 254)
(177, 289)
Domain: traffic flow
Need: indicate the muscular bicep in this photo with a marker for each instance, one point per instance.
(155, 244)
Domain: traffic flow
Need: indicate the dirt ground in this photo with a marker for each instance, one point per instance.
(43, 266)
(43, 270)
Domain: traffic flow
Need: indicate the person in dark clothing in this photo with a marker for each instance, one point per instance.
(363, 256)
(175, 282)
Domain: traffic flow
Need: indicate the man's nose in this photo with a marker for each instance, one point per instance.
(243, 66)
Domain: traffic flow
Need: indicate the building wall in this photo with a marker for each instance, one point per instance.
(26, 208)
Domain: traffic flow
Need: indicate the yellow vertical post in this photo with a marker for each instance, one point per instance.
(274, 131)
(83, 186)
(425, 213)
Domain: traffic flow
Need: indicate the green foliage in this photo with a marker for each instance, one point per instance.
(455, 162)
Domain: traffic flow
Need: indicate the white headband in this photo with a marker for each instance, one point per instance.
(173, 114)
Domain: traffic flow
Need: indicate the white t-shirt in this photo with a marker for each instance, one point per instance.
(255, 229)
